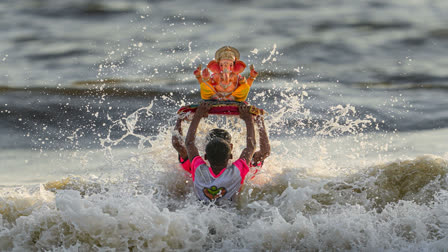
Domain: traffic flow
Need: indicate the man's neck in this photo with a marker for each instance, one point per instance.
(218, 168)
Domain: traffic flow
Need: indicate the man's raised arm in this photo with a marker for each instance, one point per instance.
(265, 147)
(177, 140)
(201, 111)
(248, 152)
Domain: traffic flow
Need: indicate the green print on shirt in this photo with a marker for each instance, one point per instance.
(214, 193)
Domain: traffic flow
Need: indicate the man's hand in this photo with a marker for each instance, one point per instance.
(203, 108)
(245, 112)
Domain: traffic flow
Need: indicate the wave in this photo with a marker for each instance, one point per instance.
(365, 25)
(403, 86)
(416, 180)
(441, 33)
(91, 88)
(391, 206)
(81, 9)
(57, 55)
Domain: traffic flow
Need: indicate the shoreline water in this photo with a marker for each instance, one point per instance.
(377, 148)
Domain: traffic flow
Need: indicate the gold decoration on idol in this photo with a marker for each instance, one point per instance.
(227, 52)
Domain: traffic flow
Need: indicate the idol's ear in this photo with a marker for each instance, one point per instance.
(239, 66)
(214, 66)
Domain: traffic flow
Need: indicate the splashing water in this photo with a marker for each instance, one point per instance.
(323, 204)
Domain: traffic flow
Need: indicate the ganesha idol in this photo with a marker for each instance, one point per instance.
(226, 88)
(226, 83)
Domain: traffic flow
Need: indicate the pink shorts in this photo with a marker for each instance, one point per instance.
(185, 164)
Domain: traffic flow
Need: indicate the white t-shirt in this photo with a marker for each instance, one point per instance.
(225, 185)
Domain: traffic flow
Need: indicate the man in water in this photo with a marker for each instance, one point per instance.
(219, 181)
(257, 160)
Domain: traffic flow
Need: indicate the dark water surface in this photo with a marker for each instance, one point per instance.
(50, 48)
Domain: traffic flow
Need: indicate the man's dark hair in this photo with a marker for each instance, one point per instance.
(219, 133)
(217, 151)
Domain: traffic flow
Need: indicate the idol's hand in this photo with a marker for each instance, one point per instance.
(253, 73)
(197, 72)
(206, 74)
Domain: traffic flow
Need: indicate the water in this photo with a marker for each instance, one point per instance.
(356, 95)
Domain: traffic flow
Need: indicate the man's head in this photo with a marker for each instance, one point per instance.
(218, 152)
(219, 133)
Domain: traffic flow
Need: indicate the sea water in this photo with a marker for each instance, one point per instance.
(357, 120)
